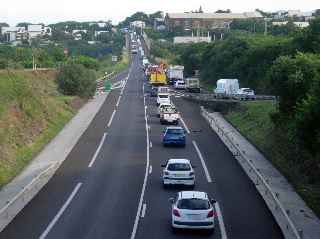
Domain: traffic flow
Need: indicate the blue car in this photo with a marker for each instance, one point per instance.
(174, 136)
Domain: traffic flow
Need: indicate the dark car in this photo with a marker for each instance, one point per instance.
(153, 92)
(174, 136)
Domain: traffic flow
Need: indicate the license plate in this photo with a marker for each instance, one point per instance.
(194, 217)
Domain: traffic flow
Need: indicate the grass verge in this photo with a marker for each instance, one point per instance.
(32, 113)
(254, 122)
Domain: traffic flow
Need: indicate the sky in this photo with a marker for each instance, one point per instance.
(52, 11)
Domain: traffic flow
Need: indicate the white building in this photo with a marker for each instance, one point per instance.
(191, 39)
(13, 34)
(34, 31)
(301, 24)
(97, 33)
(138, 24)
(294, 13)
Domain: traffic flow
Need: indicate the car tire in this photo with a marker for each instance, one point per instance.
(210, 231)
(174, 230)
(165, 186)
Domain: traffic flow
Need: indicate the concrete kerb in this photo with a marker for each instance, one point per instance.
(279, 211)
(20, 191)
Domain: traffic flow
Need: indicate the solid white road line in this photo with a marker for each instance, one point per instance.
(118, 102)
(150, 144)
(136, 222)
(202, 162)
(144, 208)
(59, 214)
(97, 151)
(150, 169)
(111, 118)
(184, 125)
(221, 223)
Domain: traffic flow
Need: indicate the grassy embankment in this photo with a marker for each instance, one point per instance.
(254, 122)
(32, 112)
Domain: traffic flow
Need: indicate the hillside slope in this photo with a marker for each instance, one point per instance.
(31, 113)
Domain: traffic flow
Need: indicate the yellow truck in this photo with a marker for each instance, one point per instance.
(158, 78)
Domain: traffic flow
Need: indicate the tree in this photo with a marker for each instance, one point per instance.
(75, 79)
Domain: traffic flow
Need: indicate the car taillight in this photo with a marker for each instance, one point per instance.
(211, 213)
(176, 212)
(191, 173)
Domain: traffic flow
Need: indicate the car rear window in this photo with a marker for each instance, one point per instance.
(175, 131)
(163, 96)
(193, 204)
(178, 167)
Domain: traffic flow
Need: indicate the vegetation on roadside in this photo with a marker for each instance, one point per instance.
(254, 121)
(32, 112)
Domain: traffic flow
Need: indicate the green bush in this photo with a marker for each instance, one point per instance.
(75, 79)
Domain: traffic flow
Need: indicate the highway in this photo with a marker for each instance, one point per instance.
(110, 184)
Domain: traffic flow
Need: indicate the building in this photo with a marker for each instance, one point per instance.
(297, 24)
(159, 24)
(138, 24)
(194, 20)
(34, 31)
(191, 39)
(97, 33)
(294, 13)
(14, 34)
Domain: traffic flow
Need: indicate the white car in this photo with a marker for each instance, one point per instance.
(192, 209)
(178, 172)
(163, 106)
(180, 85)
(245, 91)
(163, 98)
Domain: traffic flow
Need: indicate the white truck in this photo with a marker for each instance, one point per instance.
(174, 73)
(226, 88)
(192, 85)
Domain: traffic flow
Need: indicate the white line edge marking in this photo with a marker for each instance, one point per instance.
(97, 151)
(59, 214)
(150, 144)
(136, 222)
(202, 162)
(221, 223)
(144, 208)
(184, 125)
(118, 102)
(111, 118)
(150, 169)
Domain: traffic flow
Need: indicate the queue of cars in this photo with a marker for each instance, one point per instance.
(189, 209)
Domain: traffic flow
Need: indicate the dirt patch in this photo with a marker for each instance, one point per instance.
(76, 103)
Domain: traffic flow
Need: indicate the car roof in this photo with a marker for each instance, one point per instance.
(174, 127)
(193, 194)
(186, 161)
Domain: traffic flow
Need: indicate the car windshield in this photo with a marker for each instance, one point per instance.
(178, 167)
(193, 204)
(163, 96)
(175, 131)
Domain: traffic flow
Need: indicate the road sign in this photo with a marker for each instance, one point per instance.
(114, 58)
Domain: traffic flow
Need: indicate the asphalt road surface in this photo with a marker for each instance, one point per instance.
(110, 185)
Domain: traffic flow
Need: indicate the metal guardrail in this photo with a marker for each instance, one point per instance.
(23, 197)
(214, 97)
(279, 212)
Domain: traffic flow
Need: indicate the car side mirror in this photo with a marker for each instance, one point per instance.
(171, 200)
(163, 165)
(213, 201)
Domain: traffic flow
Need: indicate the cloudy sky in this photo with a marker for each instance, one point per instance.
(51, 11)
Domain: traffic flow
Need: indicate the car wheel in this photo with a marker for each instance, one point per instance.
(165, 186)
(192, 186)
(210, 231)
(174, 230)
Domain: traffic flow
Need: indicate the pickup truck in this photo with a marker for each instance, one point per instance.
(169, 115)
